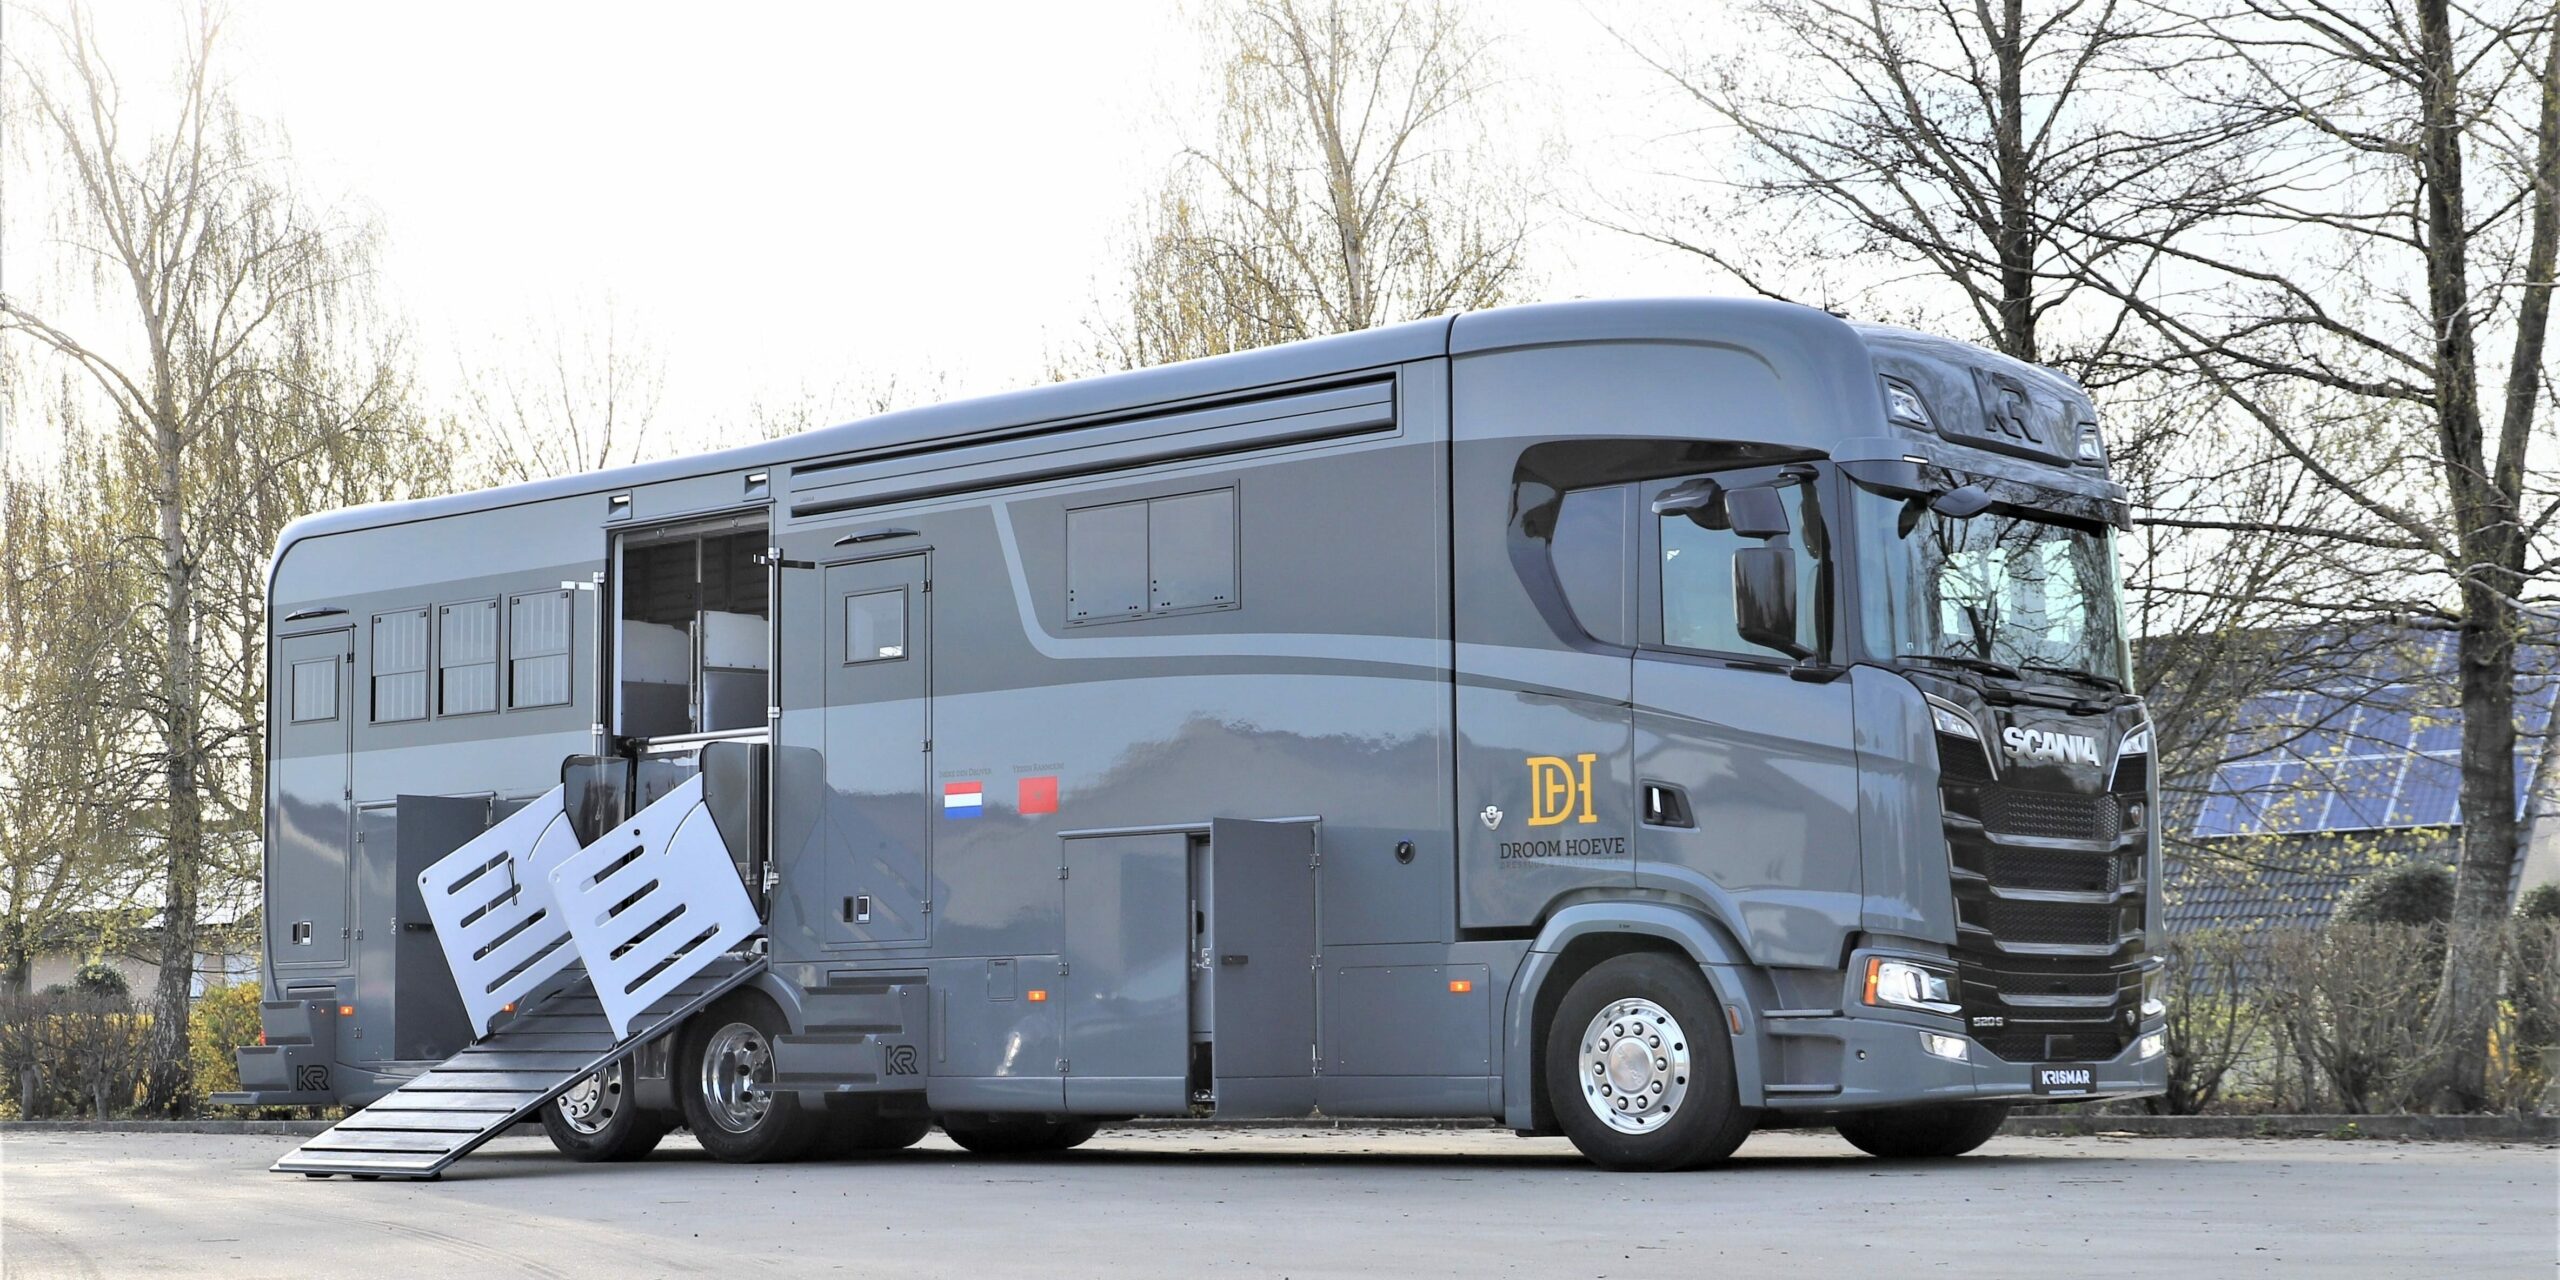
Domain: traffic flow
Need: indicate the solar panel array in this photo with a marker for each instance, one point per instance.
(2364, 754)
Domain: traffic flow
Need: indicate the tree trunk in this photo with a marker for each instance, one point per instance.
(2486, 528)
(2017, 232)
(168, 1087)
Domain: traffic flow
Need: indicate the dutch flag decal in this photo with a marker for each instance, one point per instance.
(963, 799)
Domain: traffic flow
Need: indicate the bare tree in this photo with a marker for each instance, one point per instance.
(1963, 165)
(208, 341)
(1348, 181)
(577, 395)
(2371, 290)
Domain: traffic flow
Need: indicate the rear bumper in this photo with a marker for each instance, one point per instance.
(1880, 1063)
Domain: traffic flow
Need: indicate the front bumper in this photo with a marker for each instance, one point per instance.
(1854, 1063)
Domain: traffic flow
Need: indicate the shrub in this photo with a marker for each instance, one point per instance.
(225, 1019)
(2213, 1025)
(2540, 903)
(2420, 893)
(68, 1052)
(2350, 1004)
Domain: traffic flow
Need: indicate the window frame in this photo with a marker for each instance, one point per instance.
(497, 661)
(906, 625)
(1148, 581)
(293, 689)
(510, 655)
(374, 672)
(1829, 570)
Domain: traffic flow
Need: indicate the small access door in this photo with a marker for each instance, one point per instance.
(310, 811)
(851, 814)
(1259, 960)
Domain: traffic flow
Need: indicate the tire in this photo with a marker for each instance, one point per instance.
(598, 1119)
(861, 1130)
(724, 1070)
(1017, 1135)
(1642, 1037)
(1923, 1133)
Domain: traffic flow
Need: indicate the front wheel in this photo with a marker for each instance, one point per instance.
(1923, 1133)
(726, 1082)
(1017, 1135)
(599, 1120)
(1639, 1069)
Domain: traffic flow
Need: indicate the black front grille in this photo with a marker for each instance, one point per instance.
(2049, 815)
(2046, 981)
(2044, 869)
(2053, 923)
(2036, 1044)
(1961, 762)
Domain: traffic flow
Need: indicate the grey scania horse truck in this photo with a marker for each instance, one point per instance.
(1637, 720)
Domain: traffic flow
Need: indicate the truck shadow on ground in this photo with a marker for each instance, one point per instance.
(546, 1164)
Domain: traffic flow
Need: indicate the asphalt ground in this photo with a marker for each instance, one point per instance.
(1294, 1204)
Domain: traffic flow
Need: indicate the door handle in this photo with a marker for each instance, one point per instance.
(1666, 805)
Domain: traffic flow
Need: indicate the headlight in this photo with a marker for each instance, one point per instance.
(1950, 1048)
(1903, 404)
(2093, 447)
(1951, 721)
(2136, 743)
(1904, 985)
(2151, 1046)
(2152, 1005)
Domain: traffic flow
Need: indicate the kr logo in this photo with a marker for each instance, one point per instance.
(1557, 790)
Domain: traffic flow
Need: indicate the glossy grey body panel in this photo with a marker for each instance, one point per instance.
(1151, 624)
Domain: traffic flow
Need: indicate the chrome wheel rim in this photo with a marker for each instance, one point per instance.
(737, 1076)
(1634, 1065)
(592, 1102)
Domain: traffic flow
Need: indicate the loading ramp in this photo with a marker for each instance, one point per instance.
(646, 924)
(449, 1110)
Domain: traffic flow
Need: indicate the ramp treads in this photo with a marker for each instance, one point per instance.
(448, 1110)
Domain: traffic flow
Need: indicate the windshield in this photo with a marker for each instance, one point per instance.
(2004, 587)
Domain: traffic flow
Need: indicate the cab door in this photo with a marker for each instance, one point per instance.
(1746, 775)
(852, 816)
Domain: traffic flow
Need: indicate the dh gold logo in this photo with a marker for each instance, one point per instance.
(1557, 790)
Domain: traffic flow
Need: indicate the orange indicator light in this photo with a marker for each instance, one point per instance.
(1035, 995)
(508, 1007)
(1461, 986)
(346, 1011)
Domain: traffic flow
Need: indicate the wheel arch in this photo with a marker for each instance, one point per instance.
(1579, 938)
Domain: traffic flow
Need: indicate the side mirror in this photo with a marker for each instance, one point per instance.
(1757, 512)
(1764, 598)
(1962, 504)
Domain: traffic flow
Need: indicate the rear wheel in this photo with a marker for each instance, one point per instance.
(598, 1119)
(725, 1078)
(1639, 1069)
(1923, 1133)
(1017, 1135)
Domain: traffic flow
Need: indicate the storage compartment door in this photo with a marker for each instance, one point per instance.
(1261, 949)
(1127, 980)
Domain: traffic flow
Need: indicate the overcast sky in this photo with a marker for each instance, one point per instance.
(809, 196)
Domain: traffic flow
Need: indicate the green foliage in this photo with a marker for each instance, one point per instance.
(102, 982)
(2540, 903)
(225, 1019)
(2417, 894)
(68, 1053)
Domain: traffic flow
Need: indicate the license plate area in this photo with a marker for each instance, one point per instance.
(2064, 1079)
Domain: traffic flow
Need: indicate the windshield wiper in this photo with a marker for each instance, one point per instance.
(2091, 677)
(1984, 665)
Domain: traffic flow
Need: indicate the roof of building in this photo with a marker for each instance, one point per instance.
(2365, 735)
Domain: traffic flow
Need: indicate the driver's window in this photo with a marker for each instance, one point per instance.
(1697, 577)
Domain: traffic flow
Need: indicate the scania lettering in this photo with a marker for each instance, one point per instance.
(1643, 722)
